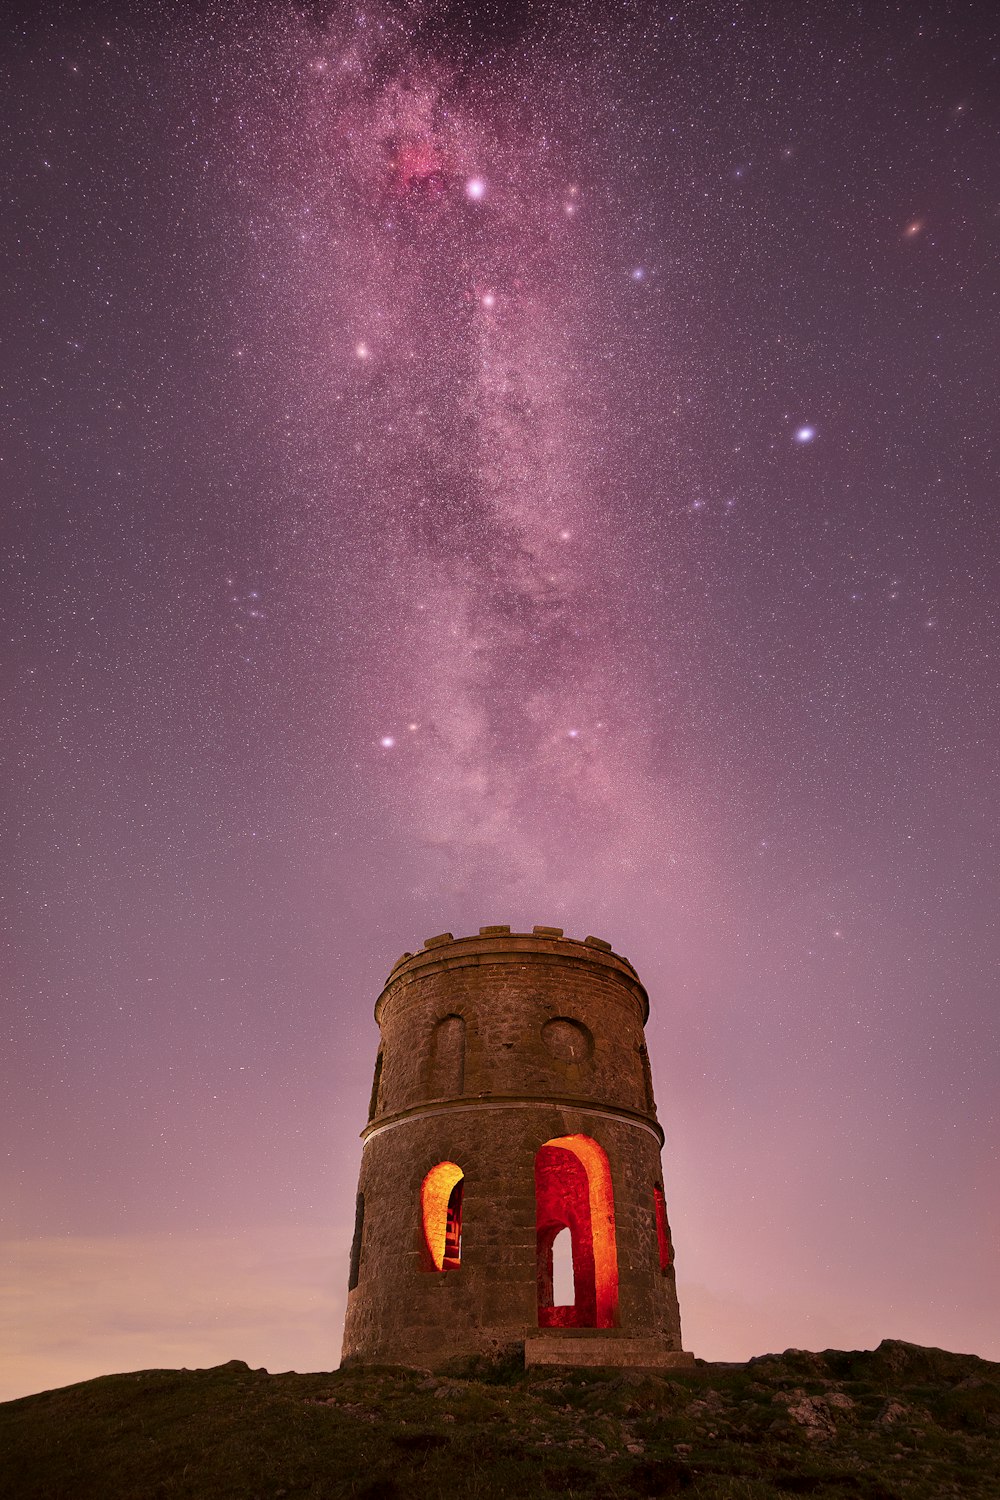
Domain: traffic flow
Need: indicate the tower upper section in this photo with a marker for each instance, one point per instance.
(514, 1016)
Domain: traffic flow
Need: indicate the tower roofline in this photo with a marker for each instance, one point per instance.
(498, 945)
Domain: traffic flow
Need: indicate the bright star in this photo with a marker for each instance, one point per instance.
(362, 351)
(387, 742)
(804, 434)
(475, 188)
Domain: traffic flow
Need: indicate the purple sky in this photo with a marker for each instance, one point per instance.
(454, 474)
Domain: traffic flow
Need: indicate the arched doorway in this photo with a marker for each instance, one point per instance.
(573, 1191)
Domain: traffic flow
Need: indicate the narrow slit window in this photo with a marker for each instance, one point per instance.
(359, 1229)
(663, 1244)
(376, 1089)
(647, 1079)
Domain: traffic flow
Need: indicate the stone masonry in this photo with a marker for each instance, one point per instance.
(517, 1060)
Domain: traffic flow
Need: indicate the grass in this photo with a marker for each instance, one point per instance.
(896, 1423)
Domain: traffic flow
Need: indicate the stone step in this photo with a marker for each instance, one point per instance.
(596, 1348)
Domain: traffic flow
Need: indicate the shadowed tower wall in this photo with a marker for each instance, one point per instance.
(511, 1191)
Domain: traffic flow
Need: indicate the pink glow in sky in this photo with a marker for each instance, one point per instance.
(471, 474)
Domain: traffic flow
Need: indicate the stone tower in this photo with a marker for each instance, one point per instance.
(511, 1192)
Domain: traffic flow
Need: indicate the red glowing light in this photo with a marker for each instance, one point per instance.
(573, 1191)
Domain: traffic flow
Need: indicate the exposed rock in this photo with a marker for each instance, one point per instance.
(812, 1413)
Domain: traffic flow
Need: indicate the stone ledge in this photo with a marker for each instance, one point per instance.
(562, 1105)
(601, 1348)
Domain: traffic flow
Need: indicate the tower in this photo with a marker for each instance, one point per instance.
(511, 1191)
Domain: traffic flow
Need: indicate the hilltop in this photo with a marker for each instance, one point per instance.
(897, 1422)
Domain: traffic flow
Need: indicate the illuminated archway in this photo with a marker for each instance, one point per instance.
(573, 1191)
(441, 1217)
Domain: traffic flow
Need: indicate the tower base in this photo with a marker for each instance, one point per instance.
(599, 1348)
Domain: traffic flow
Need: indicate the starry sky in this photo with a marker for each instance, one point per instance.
(465, 466)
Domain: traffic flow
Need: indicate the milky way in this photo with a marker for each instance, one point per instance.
(470, 467)
(457, 263)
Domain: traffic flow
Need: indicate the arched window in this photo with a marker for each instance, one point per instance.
(573, 1192)
(376, 1089)
(567, 1040)
(448, 1058)
(441, 1217)
(664, 1247)
(359, 1229)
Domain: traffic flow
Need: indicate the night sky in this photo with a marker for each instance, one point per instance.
(463, 471)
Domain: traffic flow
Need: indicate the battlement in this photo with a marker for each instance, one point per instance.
(505, 931)
(498, 944)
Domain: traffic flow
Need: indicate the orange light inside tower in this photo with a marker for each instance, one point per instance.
(441, 1216)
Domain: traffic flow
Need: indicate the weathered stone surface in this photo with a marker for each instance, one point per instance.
(491, 1047)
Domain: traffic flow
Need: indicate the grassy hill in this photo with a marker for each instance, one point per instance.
(899, 1421)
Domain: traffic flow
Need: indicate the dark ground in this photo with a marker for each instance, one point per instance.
(899, 1421)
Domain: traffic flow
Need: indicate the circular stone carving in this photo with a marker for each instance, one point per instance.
(567, 1040)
